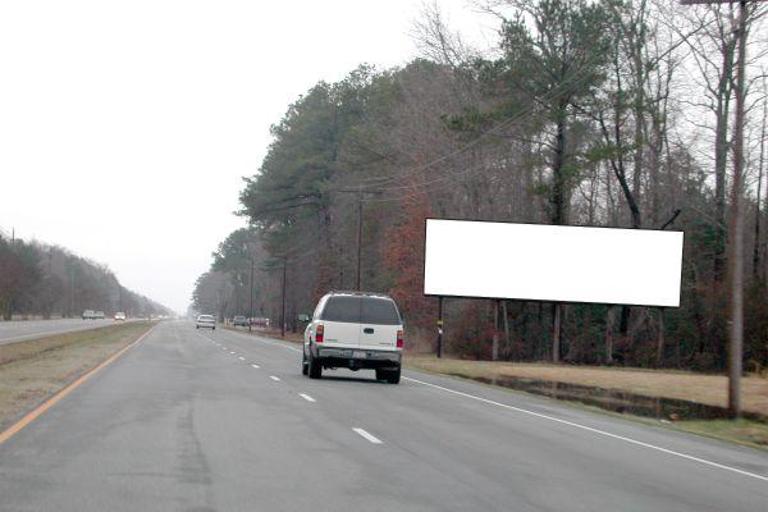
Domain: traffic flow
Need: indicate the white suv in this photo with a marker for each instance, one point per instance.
(354, 330)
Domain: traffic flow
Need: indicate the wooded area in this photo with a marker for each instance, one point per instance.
(603, 113)
(49, 281)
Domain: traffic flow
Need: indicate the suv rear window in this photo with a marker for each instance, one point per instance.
(365, 310)
(379, 311)
(342, 309)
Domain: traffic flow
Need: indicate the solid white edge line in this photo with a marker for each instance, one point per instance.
(373, 439)
(307, 397)
(594, 430)
(255, 366)
(274, 378)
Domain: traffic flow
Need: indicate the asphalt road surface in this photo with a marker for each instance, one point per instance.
(199, 421)
(20, 330)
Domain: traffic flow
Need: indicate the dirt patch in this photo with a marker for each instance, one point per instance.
(31, 371)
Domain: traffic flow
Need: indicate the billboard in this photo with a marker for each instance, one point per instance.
(552, 263)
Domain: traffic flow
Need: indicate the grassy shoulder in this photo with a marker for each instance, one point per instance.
(31, 371)
(746, 432)
(694, 387)
(705, 389)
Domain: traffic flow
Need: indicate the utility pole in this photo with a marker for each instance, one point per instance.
(250, 288)
(736, 255)
(359, 236)
(282, 312)
(359, 192)
(736, 224)
(71, 291)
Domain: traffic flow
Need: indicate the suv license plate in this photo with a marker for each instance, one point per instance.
(358, 354)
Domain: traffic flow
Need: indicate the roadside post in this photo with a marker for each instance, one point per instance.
(440, 327)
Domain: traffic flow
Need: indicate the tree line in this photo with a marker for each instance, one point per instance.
(37, 279)
(614, 113)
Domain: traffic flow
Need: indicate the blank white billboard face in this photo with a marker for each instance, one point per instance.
(553, 263)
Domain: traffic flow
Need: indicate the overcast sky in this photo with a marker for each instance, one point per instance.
(125, 127)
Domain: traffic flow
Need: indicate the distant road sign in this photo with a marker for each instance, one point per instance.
(552, 263)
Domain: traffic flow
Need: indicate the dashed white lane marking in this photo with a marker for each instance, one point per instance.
(231, 352)
(369, 437)
(255, 366)
(241, 358)
(274, 378)
(307, 397)
(270, 342)
(594, 431)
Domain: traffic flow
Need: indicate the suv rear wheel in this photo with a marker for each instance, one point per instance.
(304, 364)
(391, 376)
(315, 369)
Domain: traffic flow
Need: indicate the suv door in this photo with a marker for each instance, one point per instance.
(379, 323)
(341, 321)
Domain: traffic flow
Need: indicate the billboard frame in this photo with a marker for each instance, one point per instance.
(544, 301)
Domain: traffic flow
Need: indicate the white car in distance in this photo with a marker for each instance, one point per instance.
(205, 322)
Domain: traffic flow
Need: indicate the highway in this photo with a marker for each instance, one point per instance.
(221, 421)
(21, 330)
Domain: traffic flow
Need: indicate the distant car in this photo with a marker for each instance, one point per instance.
(240, 320)
(354, 330)
(89, 314)
(120, 316)
(205, 322)
(260, 322)
(99, 315)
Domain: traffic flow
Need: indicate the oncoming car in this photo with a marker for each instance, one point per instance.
(120, 316)
(354, 330)
(205, 322)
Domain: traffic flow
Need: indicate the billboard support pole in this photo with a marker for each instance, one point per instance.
(495, 346)
(440, 327)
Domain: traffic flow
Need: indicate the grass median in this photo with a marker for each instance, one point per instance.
(33, 370)
(590, 381)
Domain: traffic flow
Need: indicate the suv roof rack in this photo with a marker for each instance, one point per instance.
(358, 292)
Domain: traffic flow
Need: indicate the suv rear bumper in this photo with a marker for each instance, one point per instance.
(357, 359)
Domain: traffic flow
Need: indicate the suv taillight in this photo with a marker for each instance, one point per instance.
(399, 339)
(319, 330)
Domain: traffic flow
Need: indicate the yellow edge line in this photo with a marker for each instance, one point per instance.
(32, 415)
